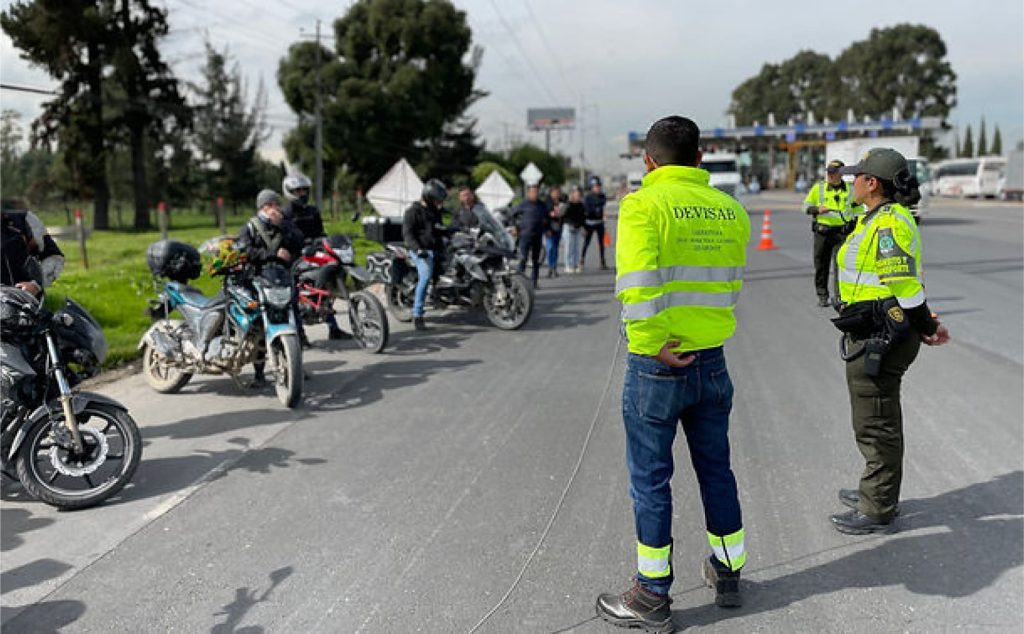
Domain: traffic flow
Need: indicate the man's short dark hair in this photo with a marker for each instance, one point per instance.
(673, 141)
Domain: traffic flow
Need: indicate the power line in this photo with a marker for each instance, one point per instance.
(522, 52)
(29, 89)
(551, 51)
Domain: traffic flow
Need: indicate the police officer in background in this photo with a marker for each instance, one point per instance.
(830, 203)
(422, 231)
(681, 252)
(885, 319)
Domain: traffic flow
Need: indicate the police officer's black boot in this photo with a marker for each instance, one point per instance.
(637, 607)
(725, 582)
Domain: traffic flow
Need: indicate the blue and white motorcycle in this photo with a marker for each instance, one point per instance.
(250, 320)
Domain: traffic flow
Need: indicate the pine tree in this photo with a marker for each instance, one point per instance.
(982, 140)
(997, 143)
(968, 146)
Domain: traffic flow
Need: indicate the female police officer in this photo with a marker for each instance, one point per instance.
(885, 319)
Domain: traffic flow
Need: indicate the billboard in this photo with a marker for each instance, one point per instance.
(551, 118)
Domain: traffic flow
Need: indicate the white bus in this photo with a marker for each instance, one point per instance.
(970, 177)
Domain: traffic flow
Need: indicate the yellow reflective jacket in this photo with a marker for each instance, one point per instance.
(882, 258)
(680, 252)
(840, 201)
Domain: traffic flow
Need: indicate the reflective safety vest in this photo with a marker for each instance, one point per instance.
(680, 253)
(838, 200)
(882, 258)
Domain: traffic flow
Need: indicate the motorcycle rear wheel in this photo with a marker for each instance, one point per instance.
(288, 373)
(160, 376)
(368, 321)
(516, 310)
(43, 480)
(399, 304)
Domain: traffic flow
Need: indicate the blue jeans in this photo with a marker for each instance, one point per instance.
(424, 271)
(551, 243)
(656, 399)
(573, 239)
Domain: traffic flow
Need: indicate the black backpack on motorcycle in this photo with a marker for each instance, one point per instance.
(174, 260)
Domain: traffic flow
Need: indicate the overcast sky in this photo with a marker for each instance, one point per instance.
(627, 63)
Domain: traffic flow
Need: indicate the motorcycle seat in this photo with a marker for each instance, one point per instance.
(195, 297)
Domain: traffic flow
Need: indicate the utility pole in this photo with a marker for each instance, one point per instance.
(319, 142)
(583, 136)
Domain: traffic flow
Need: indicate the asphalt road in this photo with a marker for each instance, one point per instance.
(411, 489)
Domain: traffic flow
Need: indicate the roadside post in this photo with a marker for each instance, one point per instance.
(80, 230)
(221, 220)
(161, 209)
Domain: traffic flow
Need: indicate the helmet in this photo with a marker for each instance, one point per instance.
(595, 180)
(435, 191)
(291, 182)
(18, 310)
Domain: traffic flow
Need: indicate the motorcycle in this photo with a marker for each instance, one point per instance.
(321, 274)
(70, 449)
(476, 273)
(250, 320)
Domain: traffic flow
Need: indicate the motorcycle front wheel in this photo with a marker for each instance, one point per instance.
(399, 302)
(511, 309)
(288, 373)
(162, 377)
(368, 321)
(62, 478)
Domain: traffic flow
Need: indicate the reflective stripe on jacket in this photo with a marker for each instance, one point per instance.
(838, 200)
(680, 256)
(882, 258)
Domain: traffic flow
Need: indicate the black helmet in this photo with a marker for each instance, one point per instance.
(435, 191)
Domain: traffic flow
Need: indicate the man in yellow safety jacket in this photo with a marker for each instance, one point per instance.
(885, 319)
(680, 259)
(830, 203)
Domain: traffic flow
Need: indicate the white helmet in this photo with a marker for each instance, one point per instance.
(295, 181)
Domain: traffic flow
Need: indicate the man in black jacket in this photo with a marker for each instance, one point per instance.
(421, 232)
(594, 204)
(268, 236)
(534, 222)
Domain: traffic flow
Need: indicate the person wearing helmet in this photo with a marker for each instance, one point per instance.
(423, 240)
(594, 205)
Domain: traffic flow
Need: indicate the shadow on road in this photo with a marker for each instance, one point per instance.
(30, 574)
(58, 614)
(981, 542)
(245, 600)
(212, 424)
(14, 522)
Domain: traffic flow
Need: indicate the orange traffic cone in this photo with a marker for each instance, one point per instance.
(607, 239)
(766, 232)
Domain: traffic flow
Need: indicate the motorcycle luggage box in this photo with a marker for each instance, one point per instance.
(174, 260)
(382, 229)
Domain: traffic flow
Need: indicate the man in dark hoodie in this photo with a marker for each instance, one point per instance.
(533, 224)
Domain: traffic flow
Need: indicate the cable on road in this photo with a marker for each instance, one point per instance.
(565, 491)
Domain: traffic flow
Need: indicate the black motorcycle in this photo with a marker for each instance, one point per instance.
(69, 449)
(475, 272)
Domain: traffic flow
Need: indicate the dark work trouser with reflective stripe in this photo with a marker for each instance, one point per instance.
(878, 426)
(824, 250)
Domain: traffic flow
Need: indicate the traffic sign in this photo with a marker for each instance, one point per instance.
(531, 174)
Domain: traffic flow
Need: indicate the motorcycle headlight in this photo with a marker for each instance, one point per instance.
(278, 297)
(345, 254)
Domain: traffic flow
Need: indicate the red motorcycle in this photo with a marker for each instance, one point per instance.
(324, 274)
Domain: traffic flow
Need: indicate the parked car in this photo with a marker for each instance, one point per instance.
(971, 177)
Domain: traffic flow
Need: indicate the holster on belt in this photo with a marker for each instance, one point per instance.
(876, 326)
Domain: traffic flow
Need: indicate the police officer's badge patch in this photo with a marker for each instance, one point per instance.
(896, 314)
(886, 243)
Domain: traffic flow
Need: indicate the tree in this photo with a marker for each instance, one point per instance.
(228, 130)
(483, 170)
(151, 107)
(997, 143)
(551, 165)
(397, 76)
(807, 82)
(68, 38)
(452, 155)
(982, 140)
(10, 139)
(902, 67)
(967, 149)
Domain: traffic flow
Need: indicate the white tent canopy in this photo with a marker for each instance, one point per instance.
(495, 191)
(399, 188)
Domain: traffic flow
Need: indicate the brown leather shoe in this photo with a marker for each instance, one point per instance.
(637, 607)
